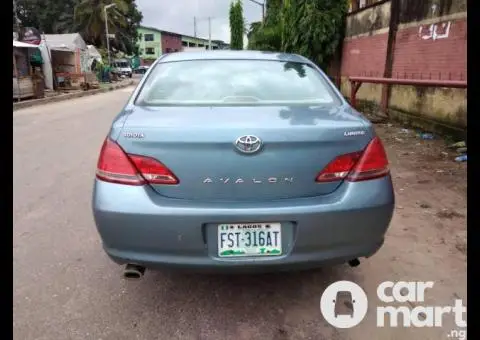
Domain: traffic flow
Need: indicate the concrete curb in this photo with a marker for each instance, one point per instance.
(62, 97)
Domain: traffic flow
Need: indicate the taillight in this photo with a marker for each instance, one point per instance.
(153, 171)
(358, 166)
(339, 168)
(115, 166)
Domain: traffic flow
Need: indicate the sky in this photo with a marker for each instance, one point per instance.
(177, 16)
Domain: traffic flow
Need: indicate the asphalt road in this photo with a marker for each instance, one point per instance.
(66, 288)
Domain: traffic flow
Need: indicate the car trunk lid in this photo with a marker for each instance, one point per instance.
(198, 145)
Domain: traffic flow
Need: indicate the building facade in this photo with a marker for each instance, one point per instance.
(150, 44)
(171, 42)
(154, 42)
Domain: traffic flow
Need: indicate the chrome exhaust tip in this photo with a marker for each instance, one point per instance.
(133, 272)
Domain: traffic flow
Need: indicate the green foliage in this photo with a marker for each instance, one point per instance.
(312, 28)
(49, 16)
(87, 18)
(128, 37)
(237, 25)
(266, 38)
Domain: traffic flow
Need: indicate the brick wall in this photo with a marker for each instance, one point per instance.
(171, 43)
(364, 55)
(418, 55)
(426, 46)
(364, 49)
(430, 43)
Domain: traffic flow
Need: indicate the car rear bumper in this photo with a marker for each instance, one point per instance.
(139, 226)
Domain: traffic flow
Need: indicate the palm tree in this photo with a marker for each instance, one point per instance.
(90, 19)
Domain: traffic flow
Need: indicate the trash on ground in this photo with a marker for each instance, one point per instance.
(461, 150)
(462, 158)
(405, 131)
(426, 136)
(456, 145)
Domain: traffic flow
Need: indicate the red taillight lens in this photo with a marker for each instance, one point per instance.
(358, 166)
(115, 166)
(339, 168)
(153, 171)
(372, 164)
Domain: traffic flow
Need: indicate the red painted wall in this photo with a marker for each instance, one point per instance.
(414, 57)
(172, 42)
(364, 56)
(445, 58)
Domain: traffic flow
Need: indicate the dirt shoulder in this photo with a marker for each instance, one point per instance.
(429, 184)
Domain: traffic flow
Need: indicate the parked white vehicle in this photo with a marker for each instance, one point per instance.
(121, 67)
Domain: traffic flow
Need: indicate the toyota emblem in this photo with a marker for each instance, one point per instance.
(248, 144)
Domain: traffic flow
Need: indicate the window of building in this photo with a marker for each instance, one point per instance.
(168, 50)
(140, 36)
(149, 50)
(184, 43)
(148, 37)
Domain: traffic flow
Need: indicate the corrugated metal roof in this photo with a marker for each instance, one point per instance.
(20, 44)
(65, 42)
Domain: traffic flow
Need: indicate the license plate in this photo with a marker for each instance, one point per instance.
(253, 239)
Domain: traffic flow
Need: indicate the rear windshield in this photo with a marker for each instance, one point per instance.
(235, 82)
(122, 64)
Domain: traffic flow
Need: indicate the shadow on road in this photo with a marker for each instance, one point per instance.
(269, 306)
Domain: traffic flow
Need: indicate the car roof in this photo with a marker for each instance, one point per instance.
(224, 54)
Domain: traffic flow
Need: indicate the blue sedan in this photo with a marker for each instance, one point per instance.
(240, 161)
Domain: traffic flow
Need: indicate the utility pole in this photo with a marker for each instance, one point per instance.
(106, 30)
(209, 33)
(195, 27)
(263, 7)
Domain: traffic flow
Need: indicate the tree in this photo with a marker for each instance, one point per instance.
(86, 17)
(267, 36)
(312, 28)
(48, 16)
(237, 25)
(123, 20)
(126, 40)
